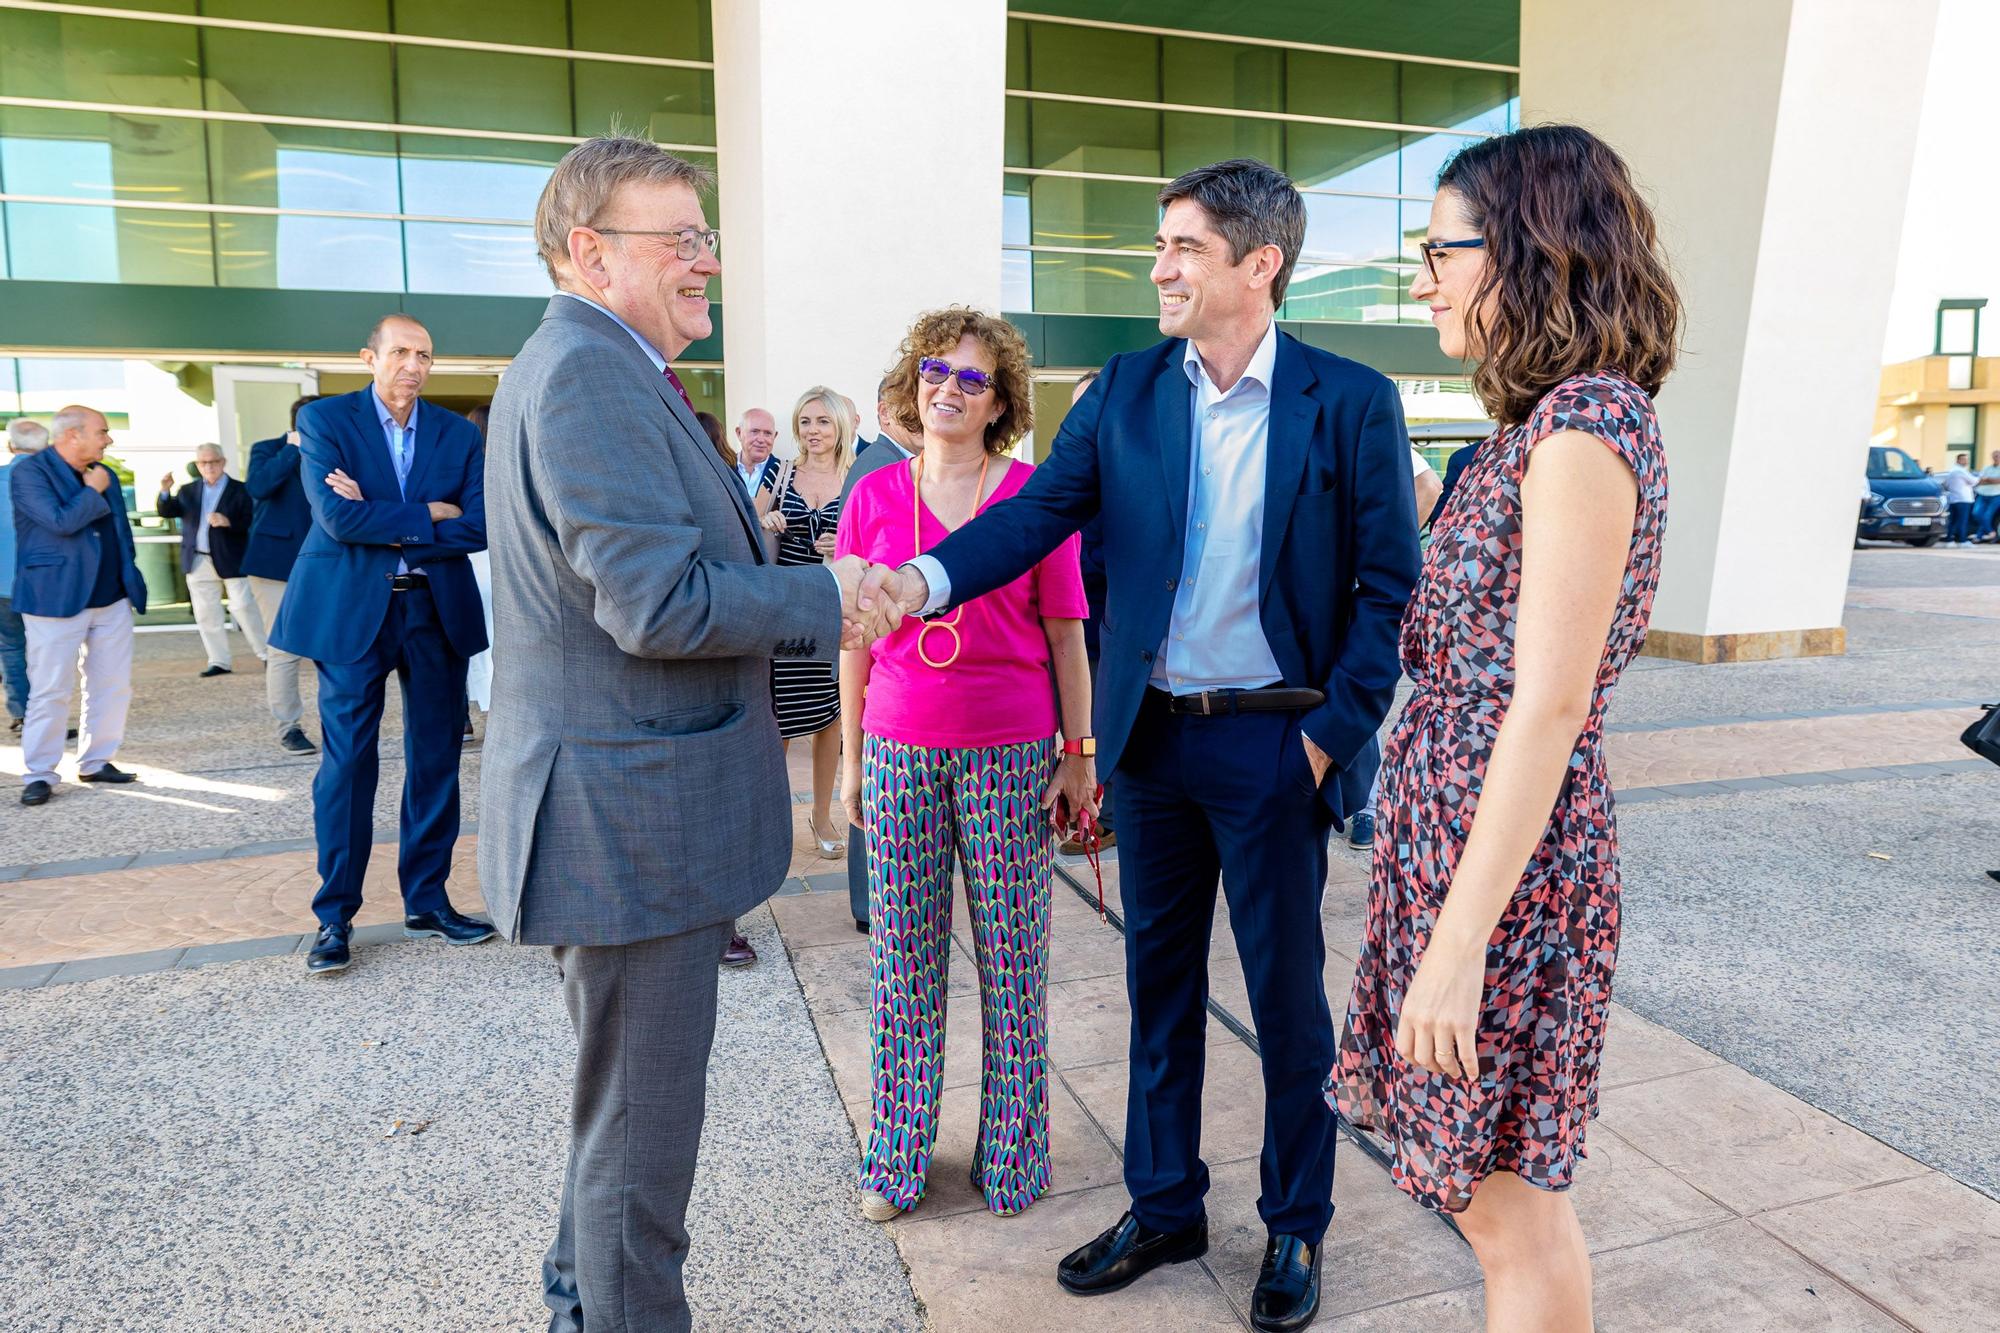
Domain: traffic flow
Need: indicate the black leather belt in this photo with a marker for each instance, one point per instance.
(408, 582)
(1227, 703)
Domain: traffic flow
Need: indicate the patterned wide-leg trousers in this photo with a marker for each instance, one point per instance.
(928, 807)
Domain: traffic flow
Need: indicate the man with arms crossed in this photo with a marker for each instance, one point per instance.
(1259, 546)
(634, 795)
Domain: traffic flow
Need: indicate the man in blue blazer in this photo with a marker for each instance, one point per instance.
(1259, 535)
(381, 587)
(214, 512)
(280, 519)
(75, 587)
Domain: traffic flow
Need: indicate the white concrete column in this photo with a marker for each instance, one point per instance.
(1776, 140)
(860, 150)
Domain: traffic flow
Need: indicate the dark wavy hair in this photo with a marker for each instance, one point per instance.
(936, 333)
(1573, 266)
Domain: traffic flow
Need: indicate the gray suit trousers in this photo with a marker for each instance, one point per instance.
(644, 1016)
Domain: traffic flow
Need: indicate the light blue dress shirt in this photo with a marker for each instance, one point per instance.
(211, 496)
(1215, 637)
(402, 442)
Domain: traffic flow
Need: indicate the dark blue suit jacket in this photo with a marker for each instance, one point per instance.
(225, 545)
(56, 553)
(1339, 553)
(339, 592)
(283, 517)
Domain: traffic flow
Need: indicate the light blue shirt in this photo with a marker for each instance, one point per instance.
(406, 447)
(1215, 638)
(211, 496)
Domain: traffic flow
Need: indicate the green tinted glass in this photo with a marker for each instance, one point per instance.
(97, 60)
(665, 104)
(1194, 140)
(296, 166)
(75, 243)
(677, 29)
(100, 155)
(484, 91)
(1092, 61)
(1349, 87)
(1068, 137)
(1367, 294)
(261, 72)
(361, 15)
(1108, 215)
(1472, 99)
(1094, 284)
(517, 22)
(1198, 73)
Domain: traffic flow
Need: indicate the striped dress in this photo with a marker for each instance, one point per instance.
(807, 694)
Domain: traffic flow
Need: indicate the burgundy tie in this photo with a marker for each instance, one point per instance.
(679, 388)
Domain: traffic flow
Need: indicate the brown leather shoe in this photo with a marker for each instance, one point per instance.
(739, 953)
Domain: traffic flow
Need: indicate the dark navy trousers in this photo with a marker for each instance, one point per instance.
(412, 647)
(1197, 798)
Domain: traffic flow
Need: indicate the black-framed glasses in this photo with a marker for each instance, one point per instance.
(971, 382)
(1430, 249)
(692, 241)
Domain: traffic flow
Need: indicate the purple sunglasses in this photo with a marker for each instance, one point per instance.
(972, 383)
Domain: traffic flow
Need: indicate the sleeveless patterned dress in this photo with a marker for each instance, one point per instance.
(1548, 968)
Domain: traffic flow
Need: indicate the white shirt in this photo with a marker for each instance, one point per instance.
(1215, 638)
(1958, 484)
(1989, 480)
(1419, 464)
(753, 475)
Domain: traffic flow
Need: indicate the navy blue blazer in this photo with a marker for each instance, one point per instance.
(339, 591)
(225, 545)
(1339, 553)
(282, 516)
(56, 553)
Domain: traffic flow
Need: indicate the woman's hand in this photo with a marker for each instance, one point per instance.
(850, 792)
(773, 521)
(824, 545)
(1075, 783)
(1438, 1029)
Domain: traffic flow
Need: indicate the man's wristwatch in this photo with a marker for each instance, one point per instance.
(1083, 745)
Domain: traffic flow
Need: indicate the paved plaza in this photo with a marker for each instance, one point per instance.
(1799, 1117)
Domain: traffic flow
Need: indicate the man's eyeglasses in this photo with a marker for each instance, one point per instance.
(971, 382)
(1430, 249)
(691, 241)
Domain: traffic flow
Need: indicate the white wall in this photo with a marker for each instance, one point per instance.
(1775, 139)
(861, 147)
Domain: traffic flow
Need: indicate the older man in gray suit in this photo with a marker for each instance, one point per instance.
(635, 798)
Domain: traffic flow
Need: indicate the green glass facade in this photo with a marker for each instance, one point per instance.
(137, 151)
(1098, 118)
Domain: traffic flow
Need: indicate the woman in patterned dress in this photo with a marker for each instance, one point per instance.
(1477, 1019)
(803, 509)
(952, 760)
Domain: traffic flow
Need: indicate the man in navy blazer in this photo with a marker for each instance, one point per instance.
(381, 587)
(214, 512)
(1259, 534)
(280, 519)
(75, 587)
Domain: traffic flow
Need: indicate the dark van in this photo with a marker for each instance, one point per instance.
(1903, 504)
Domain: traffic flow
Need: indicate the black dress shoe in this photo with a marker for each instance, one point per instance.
(294, 742)
(450, 926)
(1287, 1294)
(1126, 1253)
(108, 774)
(216, 671)
(329, 951)
(36, 793)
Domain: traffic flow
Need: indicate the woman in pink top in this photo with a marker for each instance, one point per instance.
(952, 757)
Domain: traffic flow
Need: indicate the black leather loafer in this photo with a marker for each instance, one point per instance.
(108, 774)
(1126, 1253)
(1287, 1294)
(36, 793)
(294, 742)
(329, 951)
(213, 670)
(450, 926)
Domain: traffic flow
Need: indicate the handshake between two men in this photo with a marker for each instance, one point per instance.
(875, 598)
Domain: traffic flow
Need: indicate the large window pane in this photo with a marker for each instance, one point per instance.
(267, 74)
(361, 15)
(479, 90)
(290, 166)
(465, 257)
(97, 60)
(1366, 294)
(96, 155)
(1424, 155)
(1192, 141)
(310, 254)
(1094, 285)
(475, 178)
(1329, 157)
(1349, 87)
(76, 243)
(677, 29)
(1067, 137)
(1246, 78)
(665, 104)
(1094, 62)
(1351, 230)
(519, 22)
(1109, 215)
(1468, 99)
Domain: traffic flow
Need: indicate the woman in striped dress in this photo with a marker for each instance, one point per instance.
(803, 509)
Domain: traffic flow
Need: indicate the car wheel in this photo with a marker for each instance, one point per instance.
(1930, 540)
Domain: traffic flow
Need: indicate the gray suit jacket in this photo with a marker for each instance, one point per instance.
(633, 784)
(883, 453)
